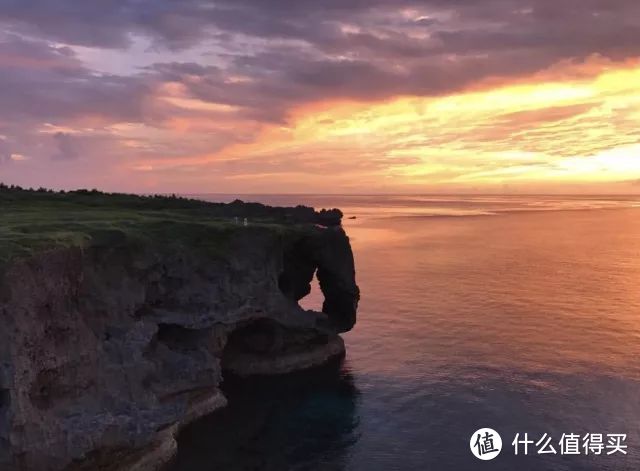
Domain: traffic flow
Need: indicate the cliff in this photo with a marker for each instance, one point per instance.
(120, 319)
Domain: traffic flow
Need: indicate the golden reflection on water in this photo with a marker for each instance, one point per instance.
(539, 291)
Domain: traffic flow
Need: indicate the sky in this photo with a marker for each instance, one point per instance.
(321, 96)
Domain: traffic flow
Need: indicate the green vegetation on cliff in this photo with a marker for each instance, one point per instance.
(35, 220)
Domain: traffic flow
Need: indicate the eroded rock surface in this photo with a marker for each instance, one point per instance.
(106, 351)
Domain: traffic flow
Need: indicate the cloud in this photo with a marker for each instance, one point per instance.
(65, 147)
(41, 82)
(349, 50)
(123, 82)
(5, 154)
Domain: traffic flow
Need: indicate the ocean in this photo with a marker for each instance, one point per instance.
(515, 313)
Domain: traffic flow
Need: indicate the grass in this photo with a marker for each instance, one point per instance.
(33, 221)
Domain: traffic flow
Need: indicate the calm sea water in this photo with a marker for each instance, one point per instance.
(521, 314)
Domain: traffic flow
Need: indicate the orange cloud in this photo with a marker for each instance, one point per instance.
(574, 125)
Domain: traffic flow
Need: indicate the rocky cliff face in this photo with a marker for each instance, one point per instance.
(107, 350)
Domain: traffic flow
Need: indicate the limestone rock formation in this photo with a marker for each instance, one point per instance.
(328, 253)
(107, 350)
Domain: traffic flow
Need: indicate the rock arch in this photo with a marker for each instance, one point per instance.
(327, 253)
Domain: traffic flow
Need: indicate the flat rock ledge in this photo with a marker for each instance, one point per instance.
(244, 364)
(165, 447)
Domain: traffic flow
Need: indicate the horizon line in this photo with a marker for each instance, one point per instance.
(396, 194)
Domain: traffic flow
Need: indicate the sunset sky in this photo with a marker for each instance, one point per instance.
(321, 96)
